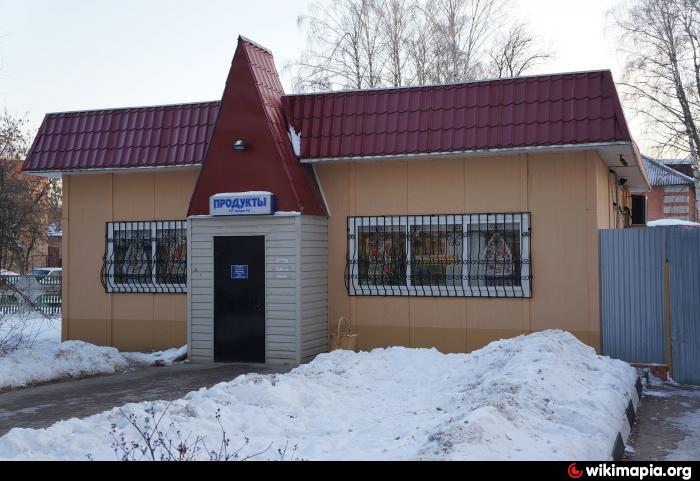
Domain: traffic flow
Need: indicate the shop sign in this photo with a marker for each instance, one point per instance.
(242, 203)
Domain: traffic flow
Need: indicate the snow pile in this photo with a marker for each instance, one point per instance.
(541, 396)
(48, 359)
(160, 358)
(672, 223)
(70, 359)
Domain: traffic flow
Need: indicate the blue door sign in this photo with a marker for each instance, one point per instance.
(239, 271)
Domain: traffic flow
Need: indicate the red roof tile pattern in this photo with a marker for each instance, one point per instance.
(546, 110)
(160, 136)
(251, 109)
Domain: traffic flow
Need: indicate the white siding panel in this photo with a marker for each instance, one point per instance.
(296, 254)
(281, 281)
(314, 287)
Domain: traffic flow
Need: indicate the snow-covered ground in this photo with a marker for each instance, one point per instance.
(688, 421)
(689, 448)
(541, 396)
(668, 423)
(45, 358)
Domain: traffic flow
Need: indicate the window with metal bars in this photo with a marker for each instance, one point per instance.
(456, 255)
(145, 256)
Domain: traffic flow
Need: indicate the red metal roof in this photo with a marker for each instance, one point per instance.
(251, 110)
(546, 110)
(168, 135)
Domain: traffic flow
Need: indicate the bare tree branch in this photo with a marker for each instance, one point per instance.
(376, 43)
(27, 203)
(662, 72)
(516, 53)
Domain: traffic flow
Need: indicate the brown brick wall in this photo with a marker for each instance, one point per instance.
(675, 201)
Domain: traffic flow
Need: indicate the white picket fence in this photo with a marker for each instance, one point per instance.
(27, 293)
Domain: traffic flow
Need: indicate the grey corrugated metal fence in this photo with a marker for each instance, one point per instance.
(683, 248)
(634, 297)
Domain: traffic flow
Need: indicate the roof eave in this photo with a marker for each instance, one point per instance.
(609, 152)
(110, 170)
(469, 153)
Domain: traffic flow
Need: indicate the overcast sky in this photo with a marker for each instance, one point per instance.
(58, 55)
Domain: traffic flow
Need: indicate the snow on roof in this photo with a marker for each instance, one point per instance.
(672, 223)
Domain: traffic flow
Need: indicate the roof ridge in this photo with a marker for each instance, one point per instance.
(676, 160)
(243, 39)
(135, 107)
(450, 84)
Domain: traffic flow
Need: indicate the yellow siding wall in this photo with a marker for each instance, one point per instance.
(567, 196)
(141, 322)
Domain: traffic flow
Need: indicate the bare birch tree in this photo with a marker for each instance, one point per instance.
(460, 29)
(343, 47)
(376, 43)
(396, 21)
(661, 43)
(420, 58)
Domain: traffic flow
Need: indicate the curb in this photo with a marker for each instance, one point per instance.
(629, 418)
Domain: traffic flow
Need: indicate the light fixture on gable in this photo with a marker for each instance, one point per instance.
(240, 145)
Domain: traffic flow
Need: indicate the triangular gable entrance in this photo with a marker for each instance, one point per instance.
(251, 111)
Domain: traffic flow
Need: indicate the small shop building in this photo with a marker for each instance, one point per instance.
(443, 216)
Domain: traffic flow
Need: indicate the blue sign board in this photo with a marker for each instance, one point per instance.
(239, 271)
(242, 203)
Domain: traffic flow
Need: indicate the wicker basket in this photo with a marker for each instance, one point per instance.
(343, 339)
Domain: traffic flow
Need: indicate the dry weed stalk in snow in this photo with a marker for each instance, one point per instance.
(15, 333)
(154, 444)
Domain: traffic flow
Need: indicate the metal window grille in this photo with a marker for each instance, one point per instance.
(454, 255)
(145, 257)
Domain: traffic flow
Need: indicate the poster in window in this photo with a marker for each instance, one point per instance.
(132, 255)
(498, 256)
(494, 255)
(436, 255)
(171, 256)
(382, 259)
